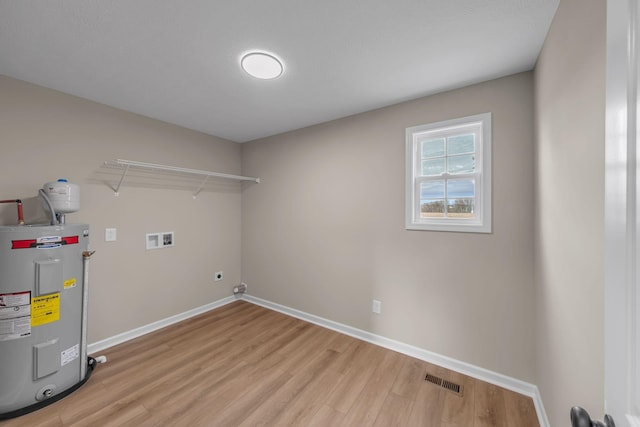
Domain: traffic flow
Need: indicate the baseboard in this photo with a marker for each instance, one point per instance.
(143, 330)
(477, 372)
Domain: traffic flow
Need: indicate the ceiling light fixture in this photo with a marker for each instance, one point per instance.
(262, 65)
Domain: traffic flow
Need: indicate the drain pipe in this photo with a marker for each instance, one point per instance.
(20, 213)
(86, 255)
(54, 221)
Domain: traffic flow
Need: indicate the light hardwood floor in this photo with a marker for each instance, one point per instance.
(244, 365)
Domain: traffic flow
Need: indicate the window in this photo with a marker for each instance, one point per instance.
(448, 181)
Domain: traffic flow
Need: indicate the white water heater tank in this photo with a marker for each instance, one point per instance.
(64, 197)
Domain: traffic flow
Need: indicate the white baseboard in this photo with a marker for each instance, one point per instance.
(477, 372)
(143, 330)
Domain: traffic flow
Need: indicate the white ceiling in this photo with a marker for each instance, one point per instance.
(178, 60)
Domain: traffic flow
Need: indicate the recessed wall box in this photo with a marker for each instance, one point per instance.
(153, 241)
(160, 240)
(167, 239)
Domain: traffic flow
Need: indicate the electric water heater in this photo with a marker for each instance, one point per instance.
(42, 314)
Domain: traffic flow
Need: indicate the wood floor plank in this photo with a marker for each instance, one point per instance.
(245, 365)
(490, 410)
(298, 400)
(520, 412)
(272, 406)
(200, 387)
(340, 342)
(255, 391)
(77, 407)
(369, 403)
(428, 406)
(306, 350)
(303, 409)
(115, 416)
(270, 341)
(247, 330)
(34, 419)
(327, 416)
(458, 411)
(395, 411)
(352, 355)
(355, 379)
(410, 377)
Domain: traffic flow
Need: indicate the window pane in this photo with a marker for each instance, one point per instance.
(460, 208)
(432, 148)
(432, 190)
(461, 188)
(460, 144)
(431, 208)
(433, 167)
(462, 164)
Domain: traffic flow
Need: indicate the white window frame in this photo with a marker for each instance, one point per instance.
(481, 223)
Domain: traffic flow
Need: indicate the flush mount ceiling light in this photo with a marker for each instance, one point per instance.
(261, 65)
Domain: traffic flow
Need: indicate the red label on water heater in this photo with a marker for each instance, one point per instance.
(48, 242)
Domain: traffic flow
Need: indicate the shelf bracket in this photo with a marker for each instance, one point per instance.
(126, 169)
(204, 181)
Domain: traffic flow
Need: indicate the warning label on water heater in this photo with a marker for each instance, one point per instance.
(45, 309)
(69, 355)
(15, 315)
(71, 283)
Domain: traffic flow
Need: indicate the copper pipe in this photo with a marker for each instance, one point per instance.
(20, 213)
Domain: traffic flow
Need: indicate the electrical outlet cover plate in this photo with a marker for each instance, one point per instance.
(110, 235)
(376, 306)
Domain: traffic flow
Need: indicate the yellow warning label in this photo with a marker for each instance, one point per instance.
(45, 309)
(71, 283)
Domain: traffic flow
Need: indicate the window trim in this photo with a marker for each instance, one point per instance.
(483, 221)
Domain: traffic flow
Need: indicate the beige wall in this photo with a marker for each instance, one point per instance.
(570, 109)
(324, 231)
(46, 135)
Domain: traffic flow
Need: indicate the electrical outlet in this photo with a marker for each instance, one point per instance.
(219, 275)
(376, 306)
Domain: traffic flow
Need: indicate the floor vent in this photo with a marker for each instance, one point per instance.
(447, 385)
